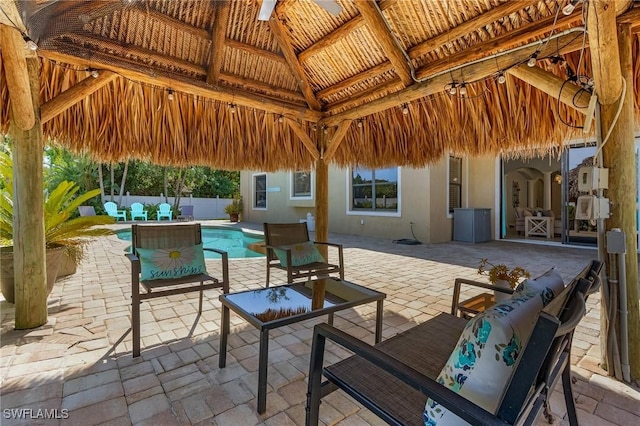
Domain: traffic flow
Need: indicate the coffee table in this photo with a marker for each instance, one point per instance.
(273, 307)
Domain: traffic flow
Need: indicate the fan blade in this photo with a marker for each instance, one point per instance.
(330, 6)
(266, 10)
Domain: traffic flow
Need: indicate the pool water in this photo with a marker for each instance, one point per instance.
(234, 242)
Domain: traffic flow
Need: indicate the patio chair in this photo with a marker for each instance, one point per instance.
(289, 249)
(433, 363)
(164, 210)
(168, 259)
(112, 210)
(186, 213)
(137, 210)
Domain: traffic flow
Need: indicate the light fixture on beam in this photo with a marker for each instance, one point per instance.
(463, 89)
(533, 60)
(94, 73)
(502, 79)
(232, 108)
(405, 109)
(280, 119)
(452, 88)
(570, 7)
(170, 95)
(360, 124)
(30, 43)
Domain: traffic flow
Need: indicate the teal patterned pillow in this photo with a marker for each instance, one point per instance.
(481, 365)
(546, 286)
(301, 254)
(167, 263)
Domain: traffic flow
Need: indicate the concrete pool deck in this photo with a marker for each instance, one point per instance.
(80, 361)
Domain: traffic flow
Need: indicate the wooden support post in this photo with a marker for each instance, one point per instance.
(28, 224)
(15, 67)
(619, 158)
(322, 195)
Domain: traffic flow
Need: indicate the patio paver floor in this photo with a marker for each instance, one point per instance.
(80, 362)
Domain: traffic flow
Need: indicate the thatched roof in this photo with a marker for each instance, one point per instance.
(246, 92)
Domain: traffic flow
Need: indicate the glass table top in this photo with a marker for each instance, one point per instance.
(268, 304)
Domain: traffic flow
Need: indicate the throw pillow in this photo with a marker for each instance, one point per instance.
(301, 254)
(481, 365)
(167, 263)
(546, 286)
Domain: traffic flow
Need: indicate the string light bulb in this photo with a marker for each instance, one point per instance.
(94, 73)
(170, 95)
(405, 109)
(533, 60)
(360, 123)
(463, 89)
(453, 89)
(30, 43)
(325, 129)
(570, 7)
(232, 108)
(280, 119)
(501, 78)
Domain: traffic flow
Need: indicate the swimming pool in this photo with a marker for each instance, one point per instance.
(235, 242)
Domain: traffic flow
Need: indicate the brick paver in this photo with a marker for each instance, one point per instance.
(81, 359)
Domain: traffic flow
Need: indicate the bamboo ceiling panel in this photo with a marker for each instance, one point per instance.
(233, 81)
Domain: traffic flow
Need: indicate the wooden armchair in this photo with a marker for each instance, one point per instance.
(284, 240)
(167, 260)
(395, 378)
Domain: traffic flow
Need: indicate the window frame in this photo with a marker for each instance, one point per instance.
(254, 193)
(292, 176)
(357, 212)
(449, 183)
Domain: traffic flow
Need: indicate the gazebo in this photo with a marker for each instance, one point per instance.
(286, 85)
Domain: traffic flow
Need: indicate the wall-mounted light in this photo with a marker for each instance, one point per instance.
(533, 60)
(170, 95)
(30, 43)
(558, 179)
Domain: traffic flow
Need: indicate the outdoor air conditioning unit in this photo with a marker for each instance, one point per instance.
(590, 207)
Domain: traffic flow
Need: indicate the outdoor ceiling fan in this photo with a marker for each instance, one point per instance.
(330, 6)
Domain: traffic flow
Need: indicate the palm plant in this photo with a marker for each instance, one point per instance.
(60, 226)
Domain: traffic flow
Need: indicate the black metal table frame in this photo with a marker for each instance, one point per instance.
(264, 328)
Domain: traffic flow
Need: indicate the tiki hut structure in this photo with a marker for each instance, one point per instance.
(298, 84)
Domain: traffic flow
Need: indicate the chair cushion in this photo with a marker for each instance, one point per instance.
(167, 263)
(485, 357)
(301, 254)
(546, 286)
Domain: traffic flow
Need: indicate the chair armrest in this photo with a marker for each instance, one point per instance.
(135, 262)
(328, 244)
(458, 283)
(455, 403)
(225, 267)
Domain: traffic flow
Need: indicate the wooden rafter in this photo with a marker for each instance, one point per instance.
(504, 42)
(287, 50)
(275, 92)
(390, 86)
(304, 137)
(377, 24)
(476, 71)
(342, 31)
(267, 54)
(469, 26)
(138, 72)
(356, 79)
(75, 94)
(336, 139)
(552, 85)
(218, 41)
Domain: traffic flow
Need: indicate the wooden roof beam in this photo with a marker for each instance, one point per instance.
(218, 41)
(570, 94)
(74, 94)
(336, 139)
(512, 38)
(11, 16)
(605, 57)
(304, 137)
(278, 31)
(435, 84)
(391, 86)
(377, 24)
(140, 73)
(480, 21)
(14, 59)
(355, 79)
(343, 31)
(235, 44)
(260, 86)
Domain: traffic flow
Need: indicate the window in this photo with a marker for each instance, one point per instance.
(455, 183)
(374, 190)
(260, 191)
(302, 185)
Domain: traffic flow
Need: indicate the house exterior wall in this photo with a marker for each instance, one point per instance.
(423, 204)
